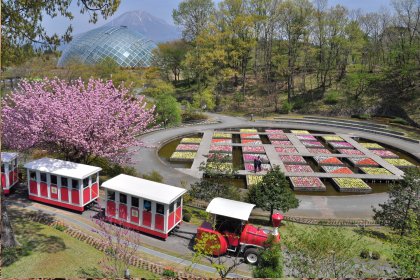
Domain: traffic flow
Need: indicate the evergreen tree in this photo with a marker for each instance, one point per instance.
(270, 264)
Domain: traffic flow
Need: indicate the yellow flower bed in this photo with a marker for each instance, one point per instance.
(248, 130)
(375, 171)
(372, 146)
(399, 162)
(222, 135)
(300, 132)
(220, 166)
(183, 155)
(332, 138)
(351, 183)
(253, 179)
(191, 140)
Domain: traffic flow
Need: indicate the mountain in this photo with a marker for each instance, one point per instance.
(151, 27)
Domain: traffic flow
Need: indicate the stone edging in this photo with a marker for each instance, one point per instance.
(101, 246)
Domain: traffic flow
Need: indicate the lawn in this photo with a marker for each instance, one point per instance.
(47, 252)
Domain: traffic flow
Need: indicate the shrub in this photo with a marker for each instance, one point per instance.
(60, 227)
(112, 170)
(169, 273)
(191, 116)
(361, 116)
(187, 217)
(286, 107)
(364, 254)
(399, 121)
(9, 256)
(375, 255)
(331, 98)
(153, 176)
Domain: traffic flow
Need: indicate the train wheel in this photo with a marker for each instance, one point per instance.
(251, 256)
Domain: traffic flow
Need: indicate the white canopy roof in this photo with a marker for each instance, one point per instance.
(144, 188)
(230, 208)
(8, 157)
(63, 168)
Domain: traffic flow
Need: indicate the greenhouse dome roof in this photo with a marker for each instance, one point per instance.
(127, 47)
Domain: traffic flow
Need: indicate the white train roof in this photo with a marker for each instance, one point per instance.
(144, 188)
(63, 168)
(8, 157)
(230, 208)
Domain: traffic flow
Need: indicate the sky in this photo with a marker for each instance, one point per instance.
(163, 9)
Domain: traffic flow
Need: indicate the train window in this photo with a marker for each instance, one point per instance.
(134, 201)
(111, 195)
(171, 207)
(53, 179)
(86, 182)
(64, 182)
(15, 165)
(147, 205)
(160, 208)
(32, 175)
(43, 177)
(75, 184)
(2, 168)
(123, 198)
(179, 201)
(94, 178)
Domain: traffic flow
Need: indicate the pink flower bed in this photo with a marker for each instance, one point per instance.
(250, 167)
(251, 157)
(312, 144)
(307, 183)
(274, 131)
(221, 148)
(293, 159)
(337, 169)
(328, 160)
(253, 149)
(219, 156)
(251, 141)
(306, 137)
(282, 143)
(286, 150)
(363, 161)
(224, 141)
(350, 152)
(385, 153)
(187, 147)
(344, 145)
(298, 168)
(318, 151)
(277, 137)
(250, 136)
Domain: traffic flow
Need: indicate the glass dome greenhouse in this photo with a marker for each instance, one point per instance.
(127, 47)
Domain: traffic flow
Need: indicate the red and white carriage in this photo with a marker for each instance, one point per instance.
(9, 171)
(63, 183)
(143, 205)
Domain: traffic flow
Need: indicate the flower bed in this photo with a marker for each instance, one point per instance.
(190, 140)
(274, 131)
(294, 168)
(251, 157)
(293, 159)
(318, 151)
(299, 132)
(221, 148)
(222, 135)
(250, 136)
(307, 184)
(375, 171)
(350, 152)
(253, 179)
(219, 157)
(277, 137)
(183, 156)
(351, 185)
(251, 141)
(321, 160)
(337, 169)
(316, 144)
(341, 145)
(306, 137)
(329, 138)
(253, 149)
(220, 141)
(250, 167)
(248, 130)
(363, 161)
(372, 146)
(282, 143)
(385, 154)
(220, 166)
(286, 150)
(399, 162)
(187, 147)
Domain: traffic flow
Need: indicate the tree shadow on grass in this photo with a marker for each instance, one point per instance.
(30, 238)
(373, 233)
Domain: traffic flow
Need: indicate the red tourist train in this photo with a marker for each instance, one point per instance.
(143, 205)
(63, 183)
(9, 171)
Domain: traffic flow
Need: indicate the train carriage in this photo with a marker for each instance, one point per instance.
(9, 171)
(143, 205)
(63, 183)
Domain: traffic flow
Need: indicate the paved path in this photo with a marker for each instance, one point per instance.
(352, 206)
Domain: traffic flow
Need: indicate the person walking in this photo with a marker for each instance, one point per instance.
(259, 162)
(255, 165)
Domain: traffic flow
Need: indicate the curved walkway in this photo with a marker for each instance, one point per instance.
(352, 206)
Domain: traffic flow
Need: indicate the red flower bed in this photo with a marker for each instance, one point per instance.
(350, 152)
(337, 169)
(328, 160)
(286, 150)
(253, 149)
(318, 151)
(282, 143)
(274, 131)
(251, 141)
(226, 141)
(277, 137)
(298, 168)
(292, 159)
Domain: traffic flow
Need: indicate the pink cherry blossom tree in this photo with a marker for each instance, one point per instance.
(77, 120)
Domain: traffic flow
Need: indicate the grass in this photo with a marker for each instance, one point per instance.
(48, 252)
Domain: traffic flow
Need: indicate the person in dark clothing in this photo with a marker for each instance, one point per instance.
(259, 162)
(255, 165)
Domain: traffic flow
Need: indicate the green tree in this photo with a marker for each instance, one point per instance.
(204, 99)
(153, 176)
(403, 198)
(270, 264)
(169, 56)
(273, 192)
(168, 110)
(106, 68)
(157, 87)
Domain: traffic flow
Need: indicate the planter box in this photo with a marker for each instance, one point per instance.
(190, 140)
(250, 157)
(364, 161)
(282, 143)
(385, 154)
(250, 167)
(399, 162)
(318, 151)
(183, 156)
(253, 149)
(251, 141)
(293, 159)
(250, 136)
(222, 135)
(253, 179)
(221, 148)
(187, 147)
(306, 137)
(375, 171)
(221, 141)
(286, 150)
(314, 144)
(274, 131)
(277, 137)
(341, 145)
(372, 146)
(351, 185)
(337, 169)
(350, 152)
(321, 160)
(329, 138)
(307, 184)
(299, 132)
(298, 168)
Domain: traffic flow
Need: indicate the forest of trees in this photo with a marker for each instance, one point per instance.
(297, 52)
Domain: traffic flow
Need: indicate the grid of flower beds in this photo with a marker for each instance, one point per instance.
(186, 150)
(388, 156)
(351, 185)
(221, 149)
(307, 184)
